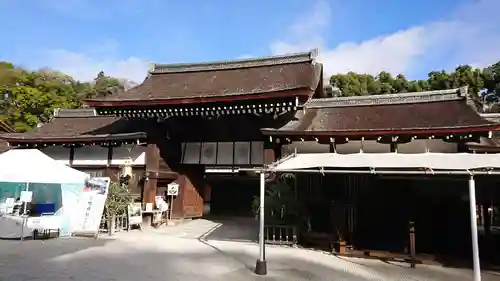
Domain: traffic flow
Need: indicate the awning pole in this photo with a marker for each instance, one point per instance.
(376, 172)
(473, 224)
(261, 265)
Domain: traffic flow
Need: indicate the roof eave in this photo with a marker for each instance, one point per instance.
(406, 131)
(483, 148)
(391, 99)
(282, 93)
(83, 138)
(6, 127)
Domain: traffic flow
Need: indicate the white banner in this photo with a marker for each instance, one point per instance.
(91, 204)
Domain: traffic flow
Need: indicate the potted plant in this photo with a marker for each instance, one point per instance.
(116, 204)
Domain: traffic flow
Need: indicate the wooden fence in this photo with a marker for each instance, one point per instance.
(280, 234)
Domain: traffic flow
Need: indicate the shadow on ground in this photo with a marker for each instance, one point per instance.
(184, 259)
(12, 249)
(246, 230)
(233, 229)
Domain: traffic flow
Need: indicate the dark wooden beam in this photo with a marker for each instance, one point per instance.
(71, 156)
(152, 166)
(110, 155)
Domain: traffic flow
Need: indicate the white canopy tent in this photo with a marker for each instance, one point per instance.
(31, 169)
(32, 165)
(386, 163)
(430, 161)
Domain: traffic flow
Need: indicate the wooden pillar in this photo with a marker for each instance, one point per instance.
(207, 198)
(109, 171)
(271, 153)
(487, 218)
(189, 203)
(152, 168)
(333, 147)
(394, 147)
(71, 156)
(178, 202)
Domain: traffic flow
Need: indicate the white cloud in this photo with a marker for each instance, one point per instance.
(85, 66)
(307, 31)
(469, 35)
(245, 56)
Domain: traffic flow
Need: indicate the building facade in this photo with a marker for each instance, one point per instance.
(198, 124)
(191, 118)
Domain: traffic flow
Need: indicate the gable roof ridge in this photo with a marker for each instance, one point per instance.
(6, 127)
(396, 98)
(74, 112)
(234, 64)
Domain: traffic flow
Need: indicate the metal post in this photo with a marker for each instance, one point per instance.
(171, 207)
(23, 223)
(473, 224)
(261, 265)
(23, 214)
(412, 245)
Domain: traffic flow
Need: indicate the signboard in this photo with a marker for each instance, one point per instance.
(26, 196)
(135, 214)
(172, 189)
(91, 204)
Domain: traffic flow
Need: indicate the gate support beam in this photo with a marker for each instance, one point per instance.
(473, 227)
(261, 265)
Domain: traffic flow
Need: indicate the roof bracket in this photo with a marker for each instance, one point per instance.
(372, 171)
(322, 171)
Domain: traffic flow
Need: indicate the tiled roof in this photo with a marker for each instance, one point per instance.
(79, 125)
(488, 144)
(434, 110)
(5, 128)
(227, 79)
(4, 146)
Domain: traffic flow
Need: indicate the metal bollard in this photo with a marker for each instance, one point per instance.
(412, 245)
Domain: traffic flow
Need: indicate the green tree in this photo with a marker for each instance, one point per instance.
(116, 204)
(483, 84)
(105, 85)
(28, 98)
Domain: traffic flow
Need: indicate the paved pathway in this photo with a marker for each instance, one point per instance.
(157, 255)
(246, 230)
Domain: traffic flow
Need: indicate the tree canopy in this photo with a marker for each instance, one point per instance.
(484, 84)
(28, 98)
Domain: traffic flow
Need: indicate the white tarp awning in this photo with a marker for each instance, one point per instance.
(434, 161)
(32, 165)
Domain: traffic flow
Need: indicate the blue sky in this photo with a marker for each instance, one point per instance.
(81, 37)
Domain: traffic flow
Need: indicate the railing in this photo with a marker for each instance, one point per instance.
(120, 224)
(280, 234)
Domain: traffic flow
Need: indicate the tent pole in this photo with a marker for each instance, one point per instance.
(261, 265)
(23, 213)
(24, 203)
(473, 224)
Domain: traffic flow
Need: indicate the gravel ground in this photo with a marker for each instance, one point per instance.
(152, 255)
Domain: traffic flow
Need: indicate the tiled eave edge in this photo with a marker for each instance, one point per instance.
(257, 97)
(451, 134)
(391, 99)
(102, 140)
